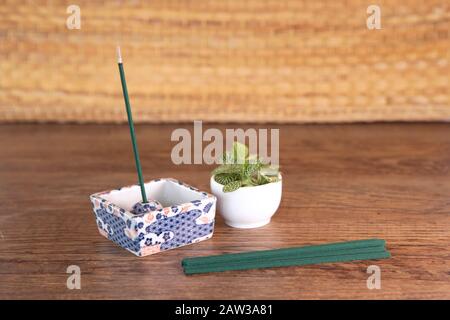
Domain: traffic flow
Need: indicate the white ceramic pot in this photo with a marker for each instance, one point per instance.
(248, 207)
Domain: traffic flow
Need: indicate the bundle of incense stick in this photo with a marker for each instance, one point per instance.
(296, 256)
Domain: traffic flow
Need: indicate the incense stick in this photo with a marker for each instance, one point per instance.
(333, 252)
(299, 255)
(289, 262)
(284, 252)
(131, 125)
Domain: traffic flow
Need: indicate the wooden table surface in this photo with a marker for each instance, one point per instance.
(341, 182)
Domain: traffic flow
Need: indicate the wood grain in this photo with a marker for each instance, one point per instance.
(228, 60)
(341, 182)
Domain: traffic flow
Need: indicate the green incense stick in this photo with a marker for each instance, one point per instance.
(279, 253)
(131, 125)
(332, 252)
(292, 256)
(289, 262)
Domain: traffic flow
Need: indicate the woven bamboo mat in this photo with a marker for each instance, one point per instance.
(232, 60)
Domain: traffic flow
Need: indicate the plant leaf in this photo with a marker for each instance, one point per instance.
(232, 186)
(240, 152)
(248, 182)
(250, 169)
(269, 170)
(227, 158)
(263, 180)
(227, 168)
(225, 178)
(240, 169)
(273, 179)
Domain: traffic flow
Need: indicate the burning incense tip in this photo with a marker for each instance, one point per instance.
(119, 55)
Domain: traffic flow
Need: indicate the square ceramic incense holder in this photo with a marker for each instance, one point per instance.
(187, 216)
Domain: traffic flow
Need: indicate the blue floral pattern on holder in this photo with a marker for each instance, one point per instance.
(151, 228)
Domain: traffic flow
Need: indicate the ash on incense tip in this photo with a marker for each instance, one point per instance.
(119, 55)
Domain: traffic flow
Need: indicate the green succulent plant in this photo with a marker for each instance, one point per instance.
(240, 169)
